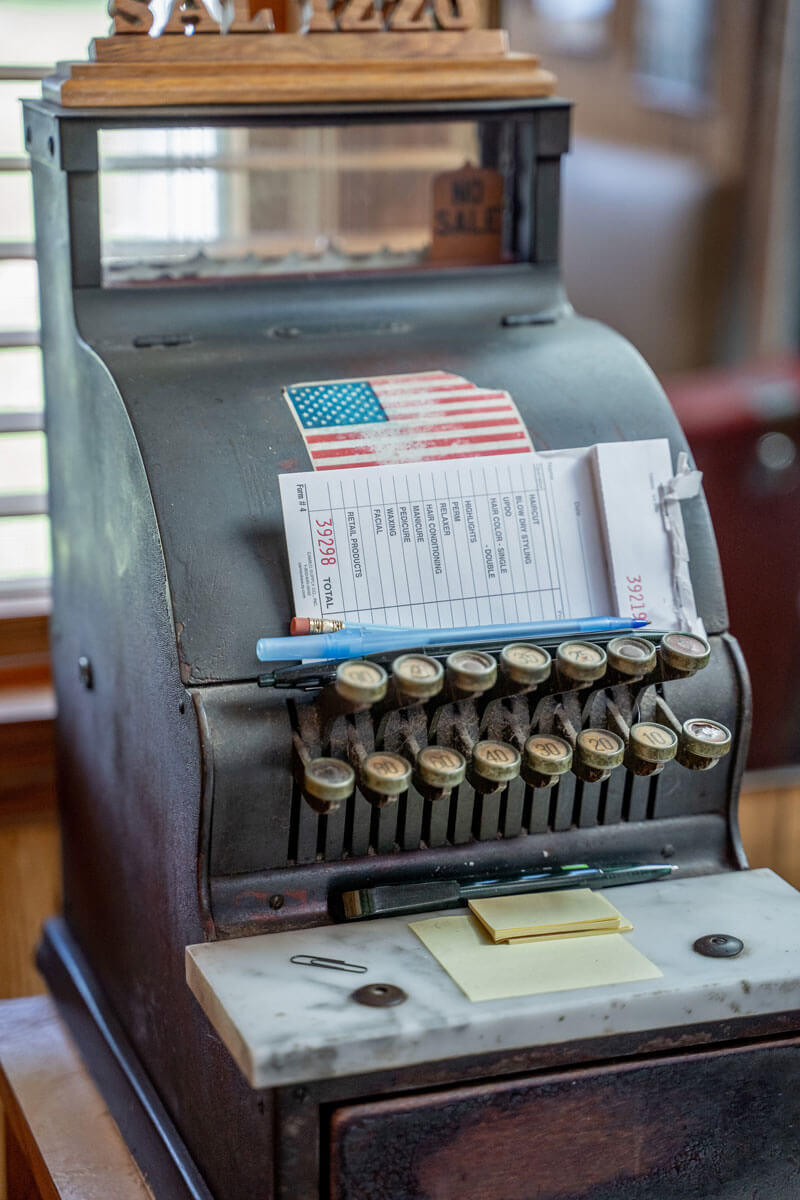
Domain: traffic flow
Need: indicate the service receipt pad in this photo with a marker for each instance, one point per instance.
(524, 537)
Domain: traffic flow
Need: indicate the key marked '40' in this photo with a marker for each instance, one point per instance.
(157, 17)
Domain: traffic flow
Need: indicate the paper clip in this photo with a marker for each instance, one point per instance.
(332, 964)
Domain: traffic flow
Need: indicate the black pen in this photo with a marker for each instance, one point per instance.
(399, 899)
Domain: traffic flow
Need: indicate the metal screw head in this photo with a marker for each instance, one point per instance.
(581, 661)
(719, 945)
(85, 672)
(328, 779)
(684, 653)
(631, 655)
(387, 774)
(441, 767)
(417, 675)
(548, 754)
(496, 761)
(361, 681)
(379, 995)
(471, 670)
(276, 901)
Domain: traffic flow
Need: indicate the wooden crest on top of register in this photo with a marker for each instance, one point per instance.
(343, 50)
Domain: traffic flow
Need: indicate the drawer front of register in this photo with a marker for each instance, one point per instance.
(720, 1125)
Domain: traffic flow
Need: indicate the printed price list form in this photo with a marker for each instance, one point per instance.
(470, 542)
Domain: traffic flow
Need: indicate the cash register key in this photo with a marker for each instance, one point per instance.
(385, 773)
(599, 749)
(496, 761)
(631, 655)
(329, 780)
(360, 681)
(525, 664)
(417, 676)
(441, 767)
(471, 670)
(650, 745)
(581, 661)
(684, 653)
(547, 754)
(703, 743)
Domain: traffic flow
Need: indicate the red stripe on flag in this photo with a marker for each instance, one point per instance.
(439, 401)
(424, 444)
(393, 436)
(418, 376)
(337, 467)
(386, 393)
(411, 414)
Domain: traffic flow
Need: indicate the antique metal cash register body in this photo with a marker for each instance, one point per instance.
(194, 806)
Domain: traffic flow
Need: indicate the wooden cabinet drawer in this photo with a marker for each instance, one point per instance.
(716, 1125)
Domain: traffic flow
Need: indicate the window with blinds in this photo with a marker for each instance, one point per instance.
(35, 34)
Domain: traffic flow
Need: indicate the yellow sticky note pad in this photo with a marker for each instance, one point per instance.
(623, 927)
(485, 971)
(545, 912)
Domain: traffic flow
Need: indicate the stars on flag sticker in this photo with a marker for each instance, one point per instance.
(351, 402)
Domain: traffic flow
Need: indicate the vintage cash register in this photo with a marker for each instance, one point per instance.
(218, 219)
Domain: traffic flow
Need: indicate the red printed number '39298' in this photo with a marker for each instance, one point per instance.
(636, 598)
(326, 547)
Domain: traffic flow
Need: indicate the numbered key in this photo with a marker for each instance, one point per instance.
(471, 672)
(683, 654)
(650, 747)
(703, 743)
(417, 677)
(440, 768)
(493, 765)
(524, 664)
(597, 753)
(580, 662)
(360, 681)
(631, 657)
(327, 782)
(546, 758)
(384, 774)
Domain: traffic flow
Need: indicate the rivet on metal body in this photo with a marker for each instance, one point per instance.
(379, 995)
(719, 945)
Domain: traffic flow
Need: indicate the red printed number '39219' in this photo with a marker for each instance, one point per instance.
(636, 597)
(326, 547)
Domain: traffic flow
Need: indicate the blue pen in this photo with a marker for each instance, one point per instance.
(354, 641)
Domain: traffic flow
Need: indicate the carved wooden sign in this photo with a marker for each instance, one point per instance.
(468, 216)
(157, 17)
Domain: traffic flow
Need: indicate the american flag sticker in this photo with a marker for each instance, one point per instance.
(425, 417)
